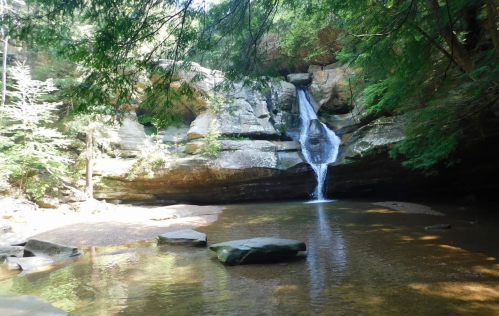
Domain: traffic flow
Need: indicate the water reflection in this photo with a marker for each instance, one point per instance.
(327, 255)
(358, 263)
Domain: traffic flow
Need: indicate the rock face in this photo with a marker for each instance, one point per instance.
(257, 250)
(27, 305)
(328, 43)
(49, 250)
(130, 136)
(186, 237)
(379, 134)
(243, 170)
(330, 87)
(302, 79)
(250, 113)
(258, 159)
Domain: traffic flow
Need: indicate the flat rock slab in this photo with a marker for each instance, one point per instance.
(27, 305)
(257, 250)
(49, 250)
(186, 237)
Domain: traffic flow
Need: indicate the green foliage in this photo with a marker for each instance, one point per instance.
(216, 102)
(211, 146)
(397, 50)
(35, 189)
(28, 143)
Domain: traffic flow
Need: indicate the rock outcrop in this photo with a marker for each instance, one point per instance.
(330, 86)
(258, 159)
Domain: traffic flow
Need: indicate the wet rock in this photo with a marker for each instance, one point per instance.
(186, 237)
(257, 250)
(299, 79)
(27, 264)
(27, 305)
(283, 107)
(49, 250)
(438, 226)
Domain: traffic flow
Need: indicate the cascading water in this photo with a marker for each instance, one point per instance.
(319, 144)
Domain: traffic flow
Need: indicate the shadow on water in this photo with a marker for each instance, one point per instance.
(361, 260)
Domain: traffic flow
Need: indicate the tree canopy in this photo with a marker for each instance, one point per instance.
(434, 61)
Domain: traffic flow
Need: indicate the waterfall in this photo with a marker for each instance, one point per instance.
(319, 144)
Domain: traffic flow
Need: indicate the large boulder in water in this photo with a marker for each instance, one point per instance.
(257, 250)
(318, 144)
(27, 305)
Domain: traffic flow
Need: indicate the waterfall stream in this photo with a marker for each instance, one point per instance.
(319, 144)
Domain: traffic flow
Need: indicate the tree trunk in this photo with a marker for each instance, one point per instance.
(491, 17)
(4, 69)
(89, 186)
(457, 49)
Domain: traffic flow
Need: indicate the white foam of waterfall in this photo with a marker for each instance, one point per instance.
(307, 115)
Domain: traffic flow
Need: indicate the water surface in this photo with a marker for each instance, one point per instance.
(361, 260)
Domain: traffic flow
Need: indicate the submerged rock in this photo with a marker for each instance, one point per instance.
(257, 250)
(438, 226)
(27, 305)
(27, 264)
(186, 237)
(49, 250)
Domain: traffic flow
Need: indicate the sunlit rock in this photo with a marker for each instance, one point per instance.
(186, 237)
(257, 250)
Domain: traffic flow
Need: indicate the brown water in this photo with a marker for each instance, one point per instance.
(361, 260)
